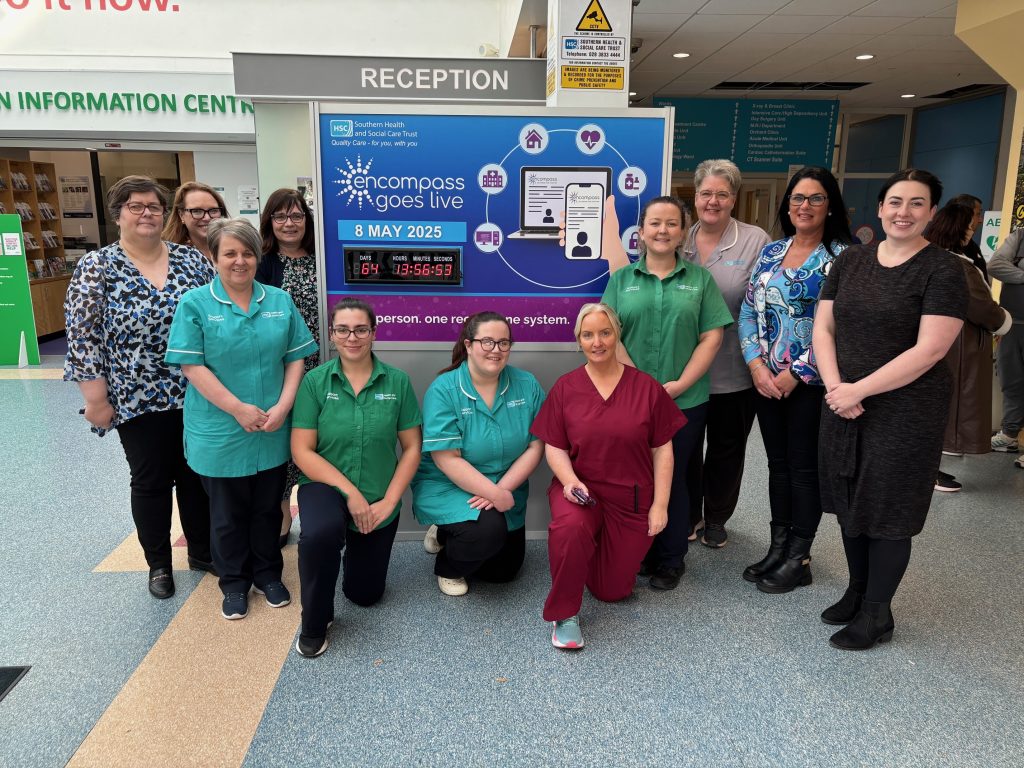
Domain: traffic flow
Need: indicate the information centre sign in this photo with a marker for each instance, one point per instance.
(435, 215)
(760, 136)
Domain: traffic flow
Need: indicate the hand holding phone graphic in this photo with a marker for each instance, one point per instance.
(584, 211)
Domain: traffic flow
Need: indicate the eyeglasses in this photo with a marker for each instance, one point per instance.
(721, 197)
(815, 201)
(138, 208)
(199, 213)
(488, 345)
(281, 218)
(343, 332)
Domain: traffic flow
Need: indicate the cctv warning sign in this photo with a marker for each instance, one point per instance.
(594, 19)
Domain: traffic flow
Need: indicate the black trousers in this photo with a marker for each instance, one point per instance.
(155, 451)
(789, 428)
(245, 523)
(483, 548)
(713, 476)
(671, 545)
(324, 515)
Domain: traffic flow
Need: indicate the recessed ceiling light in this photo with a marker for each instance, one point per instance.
(865, 56)
(908, 96)
(632, 93)
(680, 55)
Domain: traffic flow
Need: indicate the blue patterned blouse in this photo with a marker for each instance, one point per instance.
(777, 313)
(117, 327)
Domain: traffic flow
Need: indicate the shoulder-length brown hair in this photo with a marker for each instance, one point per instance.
(284, 200)
(174, 229)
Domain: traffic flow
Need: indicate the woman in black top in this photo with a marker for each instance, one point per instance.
(886, 317)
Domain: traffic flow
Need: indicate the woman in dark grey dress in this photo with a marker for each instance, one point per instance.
(886, 317)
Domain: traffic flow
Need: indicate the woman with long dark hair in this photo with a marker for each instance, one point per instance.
(471, 487)
(886, 317)
(970, 358)
(776, 319)
(289, 263)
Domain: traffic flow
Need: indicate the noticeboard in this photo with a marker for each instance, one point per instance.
(434, 215)
(759, 135)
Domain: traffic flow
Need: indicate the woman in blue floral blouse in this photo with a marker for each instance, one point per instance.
(775, 324)
(118, 313)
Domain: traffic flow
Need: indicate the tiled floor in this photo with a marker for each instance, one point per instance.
(715, 673)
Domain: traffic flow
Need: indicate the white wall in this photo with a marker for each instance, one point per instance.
(83, 38)
(229, 170)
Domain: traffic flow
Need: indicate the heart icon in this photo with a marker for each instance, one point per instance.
(590, 138)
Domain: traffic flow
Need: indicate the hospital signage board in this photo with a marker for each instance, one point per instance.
(433, 216)
(759, 135)
(18, 342)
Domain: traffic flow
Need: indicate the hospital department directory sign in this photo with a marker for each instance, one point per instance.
(433, 216)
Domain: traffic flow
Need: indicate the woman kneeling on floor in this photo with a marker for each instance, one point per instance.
(471, 487)
(348, 415)
(608, 432)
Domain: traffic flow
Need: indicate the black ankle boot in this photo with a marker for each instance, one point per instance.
(846, 609)
(873, 624)
(794, 571)
(776, 552)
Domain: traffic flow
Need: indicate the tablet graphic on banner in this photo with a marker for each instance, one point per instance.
(432, 217)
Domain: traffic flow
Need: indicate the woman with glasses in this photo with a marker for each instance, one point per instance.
(289, 263)
(672, 319)
(776, 320)
(471, 487)
(607, 429)
(118, 309)
(349, 414)
(241, 346)
(727, 248)
(195, 206)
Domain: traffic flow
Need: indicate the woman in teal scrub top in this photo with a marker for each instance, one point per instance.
(471, 487)
(241, 345)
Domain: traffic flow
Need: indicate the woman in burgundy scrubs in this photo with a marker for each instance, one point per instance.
(607, 429)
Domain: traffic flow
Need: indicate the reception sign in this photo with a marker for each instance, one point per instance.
(433, 217)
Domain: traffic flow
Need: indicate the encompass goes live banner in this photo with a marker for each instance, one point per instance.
(433, 217)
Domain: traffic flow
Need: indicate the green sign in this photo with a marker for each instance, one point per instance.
(18, 343)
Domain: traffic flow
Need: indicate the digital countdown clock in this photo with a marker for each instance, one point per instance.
(419, 266)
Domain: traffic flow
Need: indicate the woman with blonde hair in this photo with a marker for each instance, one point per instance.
(607, 429)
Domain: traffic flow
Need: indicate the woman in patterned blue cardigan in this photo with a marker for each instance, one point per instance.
(775, 323)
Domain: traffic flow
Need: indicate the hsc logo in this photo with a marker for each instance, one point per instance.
(341, 129)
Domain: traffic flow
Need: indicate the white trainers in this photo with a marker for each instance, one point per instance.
(1003, 442)
(1019, 463)
(430, 542)
(452, 587)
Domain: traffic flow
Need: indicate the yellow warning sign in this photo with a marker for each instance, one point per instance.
(593, 19)
(594, 78)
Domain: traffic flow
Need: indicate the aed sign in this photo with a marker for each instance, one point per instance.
(990, 224)
(432, 216)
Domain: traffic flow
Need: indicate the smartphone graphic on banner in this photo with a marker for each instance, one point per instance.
(584, 212)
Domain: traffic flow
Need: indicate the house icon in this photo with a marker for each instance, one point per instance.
(534, 140)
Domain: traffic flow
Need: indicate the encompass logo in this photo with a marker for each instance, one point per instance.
(386, 193)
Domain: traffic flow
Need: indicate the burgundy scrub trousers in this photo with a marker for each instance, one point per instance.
(609, 443)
